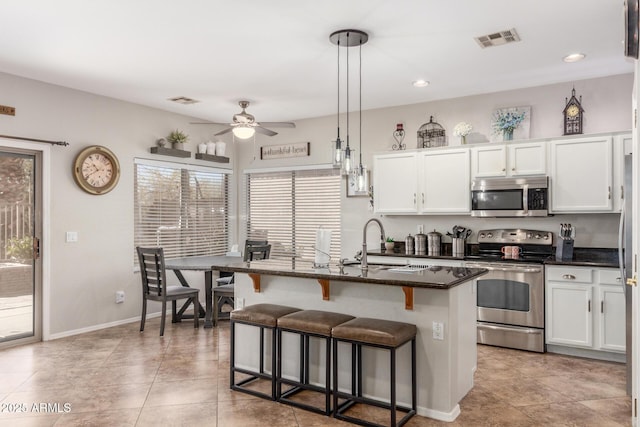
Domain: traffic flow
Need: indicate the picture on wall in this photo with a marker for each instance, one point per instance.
(511, 123)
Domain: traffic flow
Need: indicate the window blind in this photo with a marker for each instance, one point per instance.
(182, 209)
(286, 208)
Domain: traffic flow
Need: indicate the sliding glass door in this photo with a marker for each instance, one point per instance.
(20, 265)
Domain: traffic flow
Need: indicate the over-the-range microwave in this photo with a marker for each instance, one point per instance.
(510, 197)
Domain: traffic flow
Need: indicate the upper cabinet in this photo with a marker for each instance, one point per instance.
(581, 175)
(424, 182)
(518, 159)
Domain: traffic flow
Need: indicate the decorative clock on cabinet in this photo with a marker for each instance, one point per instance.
(573, 112)
(96, 170)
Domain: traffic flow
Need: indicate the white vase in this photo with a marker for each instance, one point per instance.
(220, 148)
(211, 148)
(202, 148)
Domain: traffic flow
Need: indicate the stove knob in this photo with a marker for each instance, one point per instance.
(546, 237)
(529, 235)
(481, 235)
(538, 236)
(489, 235)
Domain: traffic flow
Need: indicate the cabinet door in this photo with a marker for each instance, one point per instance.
(621, 147)
(527, 159)
(612, 318)
(581, 175)
(395, 183)
(444, 182)
(569, 316)
(489, 161)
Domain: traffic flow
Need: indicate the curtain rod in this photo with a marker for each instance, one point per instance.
(35, 140)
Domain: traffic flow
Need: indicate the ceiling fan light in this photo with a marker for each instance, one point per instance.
(243, 132)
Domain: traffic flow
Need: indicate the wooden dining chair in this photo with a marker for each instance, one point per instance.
(224, 292)
(155, 288)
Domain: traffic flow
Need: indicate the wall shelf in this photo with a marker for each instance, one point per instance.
(212, 158)
(170, 152)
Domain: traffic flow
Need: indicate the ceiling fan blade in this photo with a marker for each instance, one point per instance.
(278, 124)
(208, 123)
(222, 132)
(265, 131)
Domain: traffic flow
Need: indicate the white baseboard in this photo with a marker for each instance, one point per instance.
(439, 415)
(98, 327)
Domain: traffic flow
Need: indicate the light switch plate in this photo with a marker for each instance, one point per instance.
(72, 236)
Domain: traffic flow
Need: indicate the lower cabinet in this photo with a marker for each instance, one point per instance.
(585, 308)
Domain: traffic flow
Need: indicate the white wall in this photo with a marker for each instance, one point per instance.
(86, 274)
(607, 104)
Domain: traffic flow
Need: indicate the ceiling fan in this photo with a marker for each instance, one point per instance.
(244, 125)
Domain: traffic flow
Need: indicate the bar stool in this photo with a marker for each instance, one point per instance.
(384, 334)
(307, 324)
(265, 317)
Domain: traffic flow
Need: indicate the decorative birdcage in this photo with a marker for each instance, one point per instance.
(431, 135)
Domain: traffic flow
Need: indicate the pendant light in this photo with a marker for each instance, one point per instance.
(362, 183)
(337, 156)
(346, 38)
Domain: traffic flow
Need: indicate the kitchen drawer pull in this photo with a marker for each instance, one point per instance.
(568, 276)
(423, 198)
(589, 306)
(609, 192)
(414, 199)
(601, 306)
(622, 191)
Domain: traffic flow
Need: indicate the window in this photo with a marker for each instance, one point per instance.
(182, 208)
(286, 208)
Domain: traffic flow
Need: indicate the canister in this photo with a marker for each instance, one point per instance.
(409, 244)
(421, 244)
(434, 241)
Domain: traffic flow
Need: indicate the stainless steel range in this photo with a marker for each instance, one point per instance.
(511, 295)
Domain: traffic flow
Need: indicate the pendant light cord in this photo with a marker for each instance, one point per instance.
(348, 44)
(360, 80)
(338, 117)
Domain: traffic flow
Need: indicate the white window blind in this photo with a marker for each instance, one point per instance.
(286, 208)
(181, 208)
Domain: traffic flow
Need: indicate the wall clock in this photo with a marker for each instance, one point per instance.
(573, 115)
(96, 170)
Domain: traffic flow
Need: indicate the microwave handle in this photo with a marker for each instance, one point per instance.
(525, 198)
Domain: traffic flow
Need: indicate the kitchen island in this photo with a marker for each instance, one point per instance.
(443, 297)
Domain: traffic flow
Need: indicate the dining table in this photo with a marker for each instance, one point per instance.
(200, 263)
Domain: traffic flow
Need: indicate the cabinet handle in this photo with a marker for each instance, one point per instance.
(513, 169)
(609, 192)
(601, 306)
(504, 169)
(423, 198)
(589, 306)
(622, 192)
(414, 199)
(568, 276)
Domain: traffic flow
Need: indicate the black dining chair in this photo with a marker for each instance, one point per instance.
(224, 292)
(155, 288)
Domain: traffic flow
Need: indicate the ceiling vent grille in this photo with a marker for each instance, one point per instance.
(497, 39)
(183, 100)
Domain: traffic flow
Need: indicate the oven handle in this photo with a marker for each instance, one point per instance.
(504, 329)
(507, 269)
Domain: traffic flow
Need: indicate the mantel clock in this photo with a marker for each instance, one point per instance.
(573, 112)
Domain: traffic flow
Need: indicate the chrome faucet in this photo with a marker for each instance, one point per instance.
(363, 262)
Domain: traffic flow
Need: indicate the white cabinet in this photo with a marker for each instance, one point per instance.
(583, 310)
(444, 182)
(622, 145)
(395, 183)
(422, 182)
(518, 159)
(581, 175)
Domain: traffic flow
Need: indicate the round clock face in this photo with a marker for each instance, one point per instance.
(573, 111)
(96, 170)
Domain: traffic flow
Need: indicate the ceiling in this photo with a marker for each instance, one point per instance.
(277, 53)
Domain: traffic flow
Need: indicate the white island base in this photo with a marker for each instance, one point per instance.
(445, 367)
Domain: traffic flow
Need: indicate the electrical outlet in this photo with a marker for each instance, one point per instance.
(438, 331)
(239, 303)
(119, 297)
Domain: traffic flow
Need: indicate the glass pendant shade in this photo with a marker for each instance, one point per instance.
(337, 153)
(243, 132)
(362, 178)
(346, 161)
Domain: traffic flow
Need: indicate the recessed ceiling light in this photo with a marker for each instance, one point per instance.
(574, 57)
(421, 83)
(183, 100)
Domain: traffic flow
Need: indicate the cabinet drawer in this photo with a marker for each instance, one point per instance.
(570, 274)
(610, 277)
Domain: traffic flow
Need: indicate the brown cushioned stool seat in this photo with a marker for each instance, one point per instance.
(265, 317)
(378, 333)
(308, 324)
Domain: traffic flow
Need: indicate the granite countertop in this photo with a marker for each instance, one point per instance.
(437, 277)
(582, 257)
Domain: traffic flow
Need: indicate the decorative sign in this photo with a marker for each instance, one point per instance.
(300, 149)
(9, 111)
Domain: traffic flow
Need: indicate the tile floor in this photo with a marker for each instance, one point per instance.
(119, 377)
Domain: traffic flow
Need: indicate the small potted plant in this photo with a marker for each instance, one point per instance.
(389, 244)
(177, 138)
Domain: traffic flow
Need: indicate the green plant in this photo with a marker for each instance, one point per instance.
(20, 249)
(390, 239)
(177, 137)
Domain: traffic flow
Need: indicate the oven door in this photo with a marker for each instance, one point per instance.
(511, 294)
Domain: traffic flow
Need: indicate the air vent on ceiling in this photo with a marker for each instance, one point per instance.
(183, 100)
(499, 38)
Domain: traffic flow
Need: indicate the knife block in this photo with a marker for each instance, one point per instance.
(564, 249)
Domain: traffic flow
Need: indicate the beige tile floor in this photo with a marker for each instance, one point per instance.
(119, 377)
